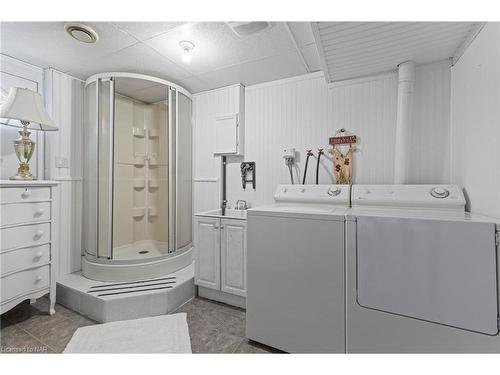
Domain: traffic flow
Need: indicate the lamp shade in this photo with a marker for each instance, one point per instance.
(26, 105)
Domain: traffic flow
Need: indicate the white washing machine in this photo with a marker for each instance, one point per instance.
(421, 274)
(295, 269)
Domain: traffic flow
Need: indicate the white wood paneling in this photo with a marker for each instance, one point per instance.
(476, 122)
(16, 73)
(304, 112)
(65, 97)
(354, 49)
(430, 131)
(206, 107)
(368, 109)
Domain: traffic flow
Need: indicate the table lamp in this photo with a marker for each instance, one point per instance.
(24, 108)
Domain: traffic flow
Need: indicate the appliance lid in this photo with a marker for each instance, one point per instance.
(321, 195)
(422, 197)
(302, 211)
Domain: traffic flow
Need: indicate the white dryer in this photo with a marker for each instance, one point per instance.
(421, 274)
(295, 269)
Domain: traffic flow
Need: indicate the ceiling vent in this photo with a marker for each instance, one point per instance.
(244, 29)
(81, 32)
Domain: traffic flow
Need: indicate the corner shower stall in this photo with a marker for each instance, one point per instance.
(137, 190)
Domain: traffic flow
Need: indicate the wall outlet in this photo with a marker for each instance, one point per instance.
(62, 162)
(289, 153)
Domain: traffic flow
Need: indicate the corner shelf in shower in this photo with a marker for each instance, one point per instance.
(139, 159)
(153, 133)
(152, 211)
(153, 184)
(154, 161)
(139, 184)
(138, 211)
(139, 132)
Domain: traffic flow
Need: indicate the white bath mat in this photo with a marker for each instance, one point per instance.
(159, 334)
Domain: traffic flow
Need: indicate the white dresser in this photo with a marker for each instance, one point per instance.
(28, 253)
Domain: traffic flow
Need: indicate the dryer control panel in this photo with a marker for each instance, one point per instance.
(442, 197)
(338, 195)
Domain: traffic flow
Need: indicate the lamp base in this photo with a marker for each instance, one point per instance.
(24, 148)
(23, 173)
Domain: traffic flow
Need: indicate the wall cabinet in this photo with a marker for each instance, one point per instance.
(220, 246)
(229, 124)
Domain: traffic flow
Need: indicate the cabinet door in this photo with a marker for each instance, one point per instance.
(207, 247)
(226, 134)
(233, 256)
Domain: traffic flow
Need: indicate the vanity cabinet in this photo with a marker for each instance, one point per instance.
(233, 254)
(207, 245)
(220, 246)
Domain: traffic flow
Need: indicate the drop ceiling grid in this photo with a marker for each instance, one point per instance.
(130, 47)
(355, 49)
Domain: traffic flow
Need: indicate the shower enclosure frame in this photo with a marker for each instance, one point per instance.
(105, 268)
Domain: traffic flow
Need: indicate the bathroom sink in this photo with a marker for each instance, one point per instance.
(230, 213)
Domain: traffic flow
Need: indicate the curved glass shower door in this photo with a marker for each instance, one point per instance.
(138, 174)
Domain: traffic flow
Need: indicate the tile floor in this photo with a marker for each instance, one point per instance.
(214, 328)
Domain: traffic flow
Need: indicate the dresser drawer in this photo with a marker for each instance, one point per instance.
(24, 194)
(25, 235)
(21, 259)
(24, 282)
(18, 213)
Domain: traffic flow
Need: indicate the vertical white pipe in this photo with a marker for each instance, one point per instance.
(406, 81)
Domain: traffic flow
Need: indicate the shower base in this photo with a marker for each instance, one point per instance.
(140, 250)
(136, 269)
(105, 301)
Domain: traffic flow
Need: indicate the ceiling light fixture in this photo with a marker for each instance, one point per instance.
(187, 47)
(81, 32)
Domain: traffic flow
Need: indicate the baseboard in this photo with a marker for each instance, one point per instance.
(223, 297)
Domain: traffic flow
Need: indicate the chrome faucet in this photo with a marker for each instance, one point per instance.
(242, 206)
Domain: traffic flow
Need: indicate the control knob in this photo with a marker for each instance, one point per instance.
(439, 192)
(334, 191)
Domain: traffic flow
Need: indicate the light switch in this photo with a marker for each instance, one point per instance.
(62, 162)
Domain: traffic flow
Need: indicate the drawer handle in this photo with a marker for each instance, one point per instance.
(38, 234)
(39, 212)
(38, 279)
(26, 194)
(38, 255)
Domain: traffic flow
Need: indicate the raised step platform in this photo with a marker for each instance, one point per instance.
(105, 301)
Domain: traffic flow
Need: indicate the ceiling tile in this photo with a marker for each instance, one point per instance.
(302, 32)
(195, 84)
(268, 69)
(47, 44)
(216, 46)
(151, 94)
(311, 56)
(146, 30)
(138, 58)
(128, 85)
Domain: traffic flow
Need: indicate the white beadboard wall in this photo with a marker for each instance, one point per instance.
(303, 112)
(430, 135)
(476, 122)
(206, 107)
(64, 100)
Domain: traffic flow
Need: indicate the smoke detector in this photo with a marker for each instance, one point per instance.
(81, 32)
(244, 29)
